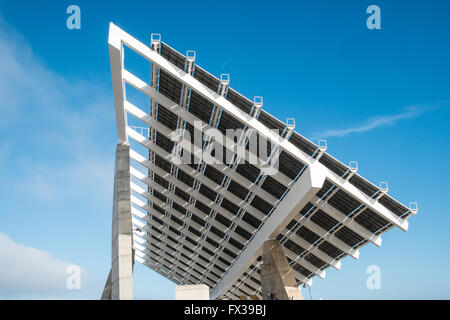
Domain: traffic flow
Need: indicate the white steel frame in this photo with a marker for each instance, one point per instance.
(152, 247)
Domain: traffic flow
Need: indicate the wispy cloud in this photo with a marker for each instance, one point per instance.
(387, 120)
(227, 62)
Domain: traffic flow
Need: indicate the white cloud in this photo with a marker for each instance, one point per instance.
(381, 121)
(27, 271)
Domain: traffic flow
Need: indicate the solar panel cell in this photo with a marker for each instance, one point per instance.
(324, 220)
(202, 207)
(273, 187)
(161, 181)
(230, 206)
(211, 195)
(294, 247)
(251, 220)
(239, 101)
(302, 270)
(214, 174)
(344, 202)
(167, 117)
(348, 236)
(393, 205)
(206, 78)
(315, 261)
(307, 234)
(303, 144)
(271, 122)
(371, 221)
(238, 190)
(288, 165)
(228, 122)
(334, 165)
(164, 142)
(248, 171)
(261, 205)
(169, 86)
(172, 55)
(200, 107)
(330, 249)
(363, 185)
(180, 209)
(162, 163)
(184, 177)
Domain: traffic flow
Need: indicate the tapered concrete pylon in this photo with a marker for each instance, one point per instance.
(119, 284)
(277, 279)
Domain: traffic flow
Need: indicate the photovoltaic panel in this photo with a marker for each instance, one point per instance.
(200, 218)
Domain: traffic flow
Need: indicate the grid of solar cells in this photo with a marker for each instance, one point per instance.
(169, 119)
(367, 218)
(193, 241)
(200, 107)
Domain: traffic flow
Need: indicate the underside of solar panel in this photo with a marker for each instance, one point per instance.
(198, 221)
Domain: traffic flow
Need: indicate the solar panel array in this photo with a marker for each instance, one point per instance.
(195, 219)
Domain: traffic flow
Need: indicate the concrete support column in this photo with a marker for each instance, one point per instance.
(192, 292)
(277, 278)
(119, 285)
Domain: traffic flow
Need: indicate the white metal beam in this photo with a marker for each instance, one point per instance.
(309, 183)
(116, 61)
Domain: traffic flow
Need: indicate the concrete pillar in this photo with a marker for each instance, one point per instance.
(192, 292)
(276, 274)
(106, 295)
(119, 285)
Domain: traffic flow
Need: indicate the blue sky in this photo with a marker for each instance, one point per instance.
(380, 97)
